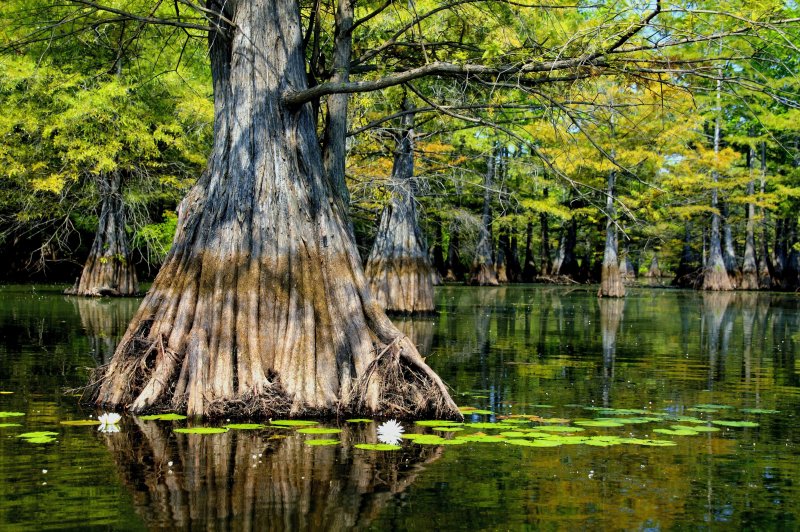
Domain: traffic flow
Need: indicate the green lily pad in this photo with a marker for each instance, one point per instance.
(567, 440)
(686, 419)
(293, 423)
(319, 430)
(703, 410)
(359, 420)
(437, 423)
(600, 441)
(760, 411)
(80, 422)
(542, 406)
(695, 428)
(412, 436)
(3, 425)
(515, 421)
(603, 423)
(11, 414)
(677, 432)
(201, 430)
(480, 412)
(163, 417)
(41, 434)
(534, 443)
(322, 442)
(448, 429)
(729, 423)
(377, 447)
(245, 426)
(650, 443)
(6, 393)
(40, 439)
(513, 434)
(498, 426)
(629, 420)
(712, 406)
(481, 438)
(432, 439)
(560, 428)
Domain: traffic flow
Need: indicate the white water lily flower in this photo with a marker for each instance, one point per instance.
(108, 422)
(390, 432)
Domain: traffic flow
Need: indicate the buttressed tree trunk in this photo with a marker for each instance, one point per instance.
(398, 268)
(749, 267)
(483, 272)
(108, 270)
(610, 277)
(262, 307)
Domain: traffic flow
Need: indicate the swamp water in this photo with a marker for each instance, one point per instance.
(535, 357)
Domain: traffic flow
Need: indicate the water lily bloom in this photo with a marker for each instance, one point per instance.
(390, 432)
(108, 422)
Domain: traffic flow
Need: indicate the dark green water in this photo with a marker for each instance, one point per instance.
(550, 352)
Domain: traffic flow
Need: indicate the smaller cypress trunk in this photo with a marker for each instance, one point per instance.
(500, 265)
(654, 271)
(455, 270)
(529, 268)
(398, 268)
(108, 270)
(765, 267)
(749, 267)
(437, 259)
(546, 261)
(566, 263)
(780, 254)
(728, 250)
(610, 276)
(483, 271)
(688, 274)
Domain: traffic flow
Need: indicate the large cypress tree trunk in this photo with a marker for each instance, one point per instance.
(749, 266)
(715, 274)
(108, 270)
(262, 306)
(610, 276)
(398, 268)
(483, 272)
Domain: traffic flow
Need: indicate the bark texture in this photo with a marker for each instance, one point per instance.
(611, 276)
(108, 270)
(398, 268)
(749, 280)
(529, 270)
(483, 271)
(566, 263)
(455, 270)
(262, 307)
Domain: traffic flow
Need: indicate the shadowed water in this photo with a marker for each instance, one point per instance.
(550, 352)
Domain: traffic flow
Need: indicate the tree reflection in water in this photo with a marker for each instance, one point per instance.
(104, 321)
(259, 480)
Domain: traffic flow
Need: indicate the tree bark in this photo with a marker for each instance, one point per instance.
(398, 268)
(728, 249)
(765, 267)
(546, 261)
(108, 270)
(688, 274)
(715, 274)
(455, 270)
(262, 307)
(483, 272)
(529, 270)
(749, 266)
(566, 262)
(610, 276)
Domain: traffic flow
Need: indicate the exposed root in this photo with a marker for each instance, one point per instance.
(405, 389)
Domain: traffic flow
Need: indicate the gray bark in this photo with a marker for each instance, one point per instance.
(610, 277)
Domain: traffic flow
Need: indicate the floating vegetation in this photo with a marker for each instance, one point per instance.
(163, 417)
(411, 436)
(293, 423)
(515, 421)
(80, 422)
(617, 411)
(466, 409)
(5, 393)
(437, 423)
(448, 429)
(245, 426)
(11, 414)
(729, 423)
(479, 437)
(695, 428)
(709, 406)
(651, 443)
(480, 412)
(560, 428)
(513, 434)
(703, 410)
(686, 419)
(359, 420)
(534, 443)
(375, 446)
(628, 420)
(543, 406)
(497, 426)
(553, 420)
(322, 442)
(760, 411)
(567, 440)
(432, 439)
(599, 423)
(4, 425)
(202, 430)
(38, 437)
(319, 430)
(677, 432)
(604, 441)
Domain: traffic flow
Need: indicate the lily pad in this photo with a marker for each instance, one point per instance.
(359, 420)
(163, 417)
(480, 412)
(567, 440)
(677, 432)
(202, 430)
(534, 443)
(6, 393)
(728, 423)
(481, 426)
(650, 443)
(695, 428)
(3, 425)
(710, 406)
(553, 420)
(515, 421)
(760, 411)
(11, 414)
(322, 442)
(560, 428)
(437, 423)
(41, 434)
(40, 439)
(601, 423)
(293, 423)
(542, 406)
(600, 441)
(319, 430)
(513, 434)
(481, 438)
(448, 429)
(686, 419)
(245, 426)
(377, 447)
(80, 422)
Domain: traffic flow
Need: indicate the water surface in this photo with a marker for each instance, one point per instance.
(547, 351)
